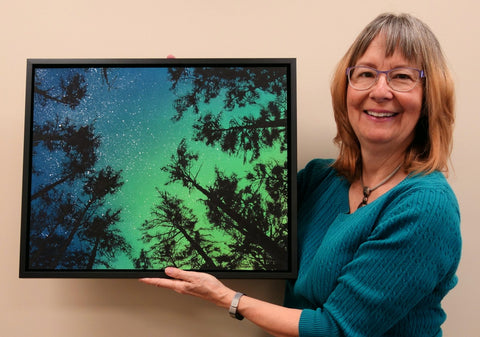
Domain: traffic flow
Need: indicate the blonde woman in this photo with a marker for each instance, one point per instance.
(379, 227)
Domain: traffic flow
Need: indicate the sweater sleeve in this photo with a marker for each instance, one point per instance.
(409, 258)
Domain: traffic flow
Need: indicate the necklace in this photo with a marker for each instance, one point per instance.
(367, 190)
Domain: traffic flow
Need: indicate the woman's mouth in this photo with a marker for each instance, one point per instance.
(380, 114)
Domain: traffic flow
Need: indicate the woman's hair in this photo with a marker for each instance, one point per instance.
(432, 143)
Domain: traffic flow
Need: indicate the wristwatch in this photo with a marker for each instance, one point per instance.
(234, 305)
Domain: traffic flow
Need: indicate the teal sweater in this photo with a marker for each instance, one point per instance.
(380, 271)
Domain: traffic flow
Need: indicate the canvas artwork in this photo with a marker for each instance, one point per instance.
(135, 165)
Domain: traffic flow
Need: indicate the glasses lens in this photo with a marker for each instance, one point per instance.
(362, 77)
(403, 79)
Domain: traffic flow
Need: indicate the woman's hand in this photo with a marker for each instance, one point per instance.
(202, 285)
(274, 319)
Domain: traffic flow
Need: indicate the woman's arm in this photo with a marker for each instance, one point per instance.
(274, 319)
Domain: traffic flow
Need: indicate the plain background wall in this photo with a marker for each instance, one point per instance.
(316, 33)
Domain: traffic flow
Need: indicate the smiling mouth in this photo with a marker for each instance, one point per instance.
(380, 114)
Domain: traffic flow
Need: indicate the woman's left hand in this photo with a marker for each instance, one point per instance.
(202, 285)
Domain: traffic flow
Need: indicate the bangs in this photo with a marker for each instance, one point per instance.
(401, 37)
(402, 34)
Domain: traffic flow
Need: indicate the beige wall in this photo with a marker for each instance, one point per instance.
(316, 34)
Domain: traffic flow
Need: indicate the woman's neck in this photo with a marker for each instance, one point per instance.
(376, 167)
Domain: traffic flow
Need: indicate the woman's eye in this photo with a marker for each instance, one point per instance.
(401, 76)
(367, 74)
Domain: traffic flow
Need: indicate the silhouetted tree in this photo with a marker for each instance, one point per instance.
(108, 79)
(53, 213)
(231, 208)
(70, 227)
(105, 239)
(240, 86)
(173, 222)
(78, 146)
(143, 261)
(71, 91)
(272, 178)
(247, 134)
(97, 187)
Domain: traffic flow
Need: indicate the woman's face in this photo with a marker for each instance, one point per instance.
(381, 116)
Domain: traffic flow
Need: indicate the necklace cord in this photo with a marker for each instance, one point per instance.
(367, 190)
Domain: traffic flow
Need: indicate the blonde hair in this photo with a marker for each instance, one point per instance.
(432, 143)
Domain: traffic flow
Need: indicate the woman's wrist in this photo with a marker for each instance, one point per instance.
(224, 300)
(233, 310)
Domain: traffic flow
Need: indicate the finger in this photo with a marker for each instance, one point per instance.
(180, 274)
(163, 283)
(158, 282)
(179, 286)
(180, 279)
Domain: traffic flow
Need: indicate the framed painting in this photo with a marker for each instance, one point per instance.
(134, 165)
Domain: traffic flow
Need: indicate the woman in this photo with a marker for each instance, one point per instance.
(379, 237)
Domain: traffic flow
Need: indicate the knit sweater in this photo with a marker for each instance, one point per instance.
(381, 270)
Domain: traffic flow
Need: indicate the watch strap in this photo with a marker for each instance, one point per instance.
(234, 305)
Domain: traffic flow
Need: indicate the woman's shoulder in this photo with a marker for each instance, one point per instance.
(317, 177)
(319, 163)
(422, 212)
(315, 172)
(317, 168)
(434, 183)
(425, 197)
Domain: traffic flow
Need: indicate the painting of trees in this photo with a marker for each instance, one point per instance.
(140, 168)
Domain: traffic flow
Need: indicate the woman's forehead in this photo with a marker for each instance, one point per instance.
(391, 46)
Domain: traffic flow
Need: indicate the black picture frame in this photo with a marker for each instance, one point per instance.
(133, 165)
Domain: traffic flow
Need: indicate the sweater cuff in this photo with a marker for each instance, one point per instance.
(317, 323)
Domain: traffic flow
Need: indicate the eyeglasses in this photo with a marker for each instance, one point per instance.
(399, 79)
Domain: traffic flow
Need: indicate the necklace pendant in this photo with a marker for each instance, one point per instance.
(366, 192)
(363, 202)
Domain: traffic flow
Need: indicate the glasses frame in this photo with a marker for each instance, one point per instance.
(421, 74)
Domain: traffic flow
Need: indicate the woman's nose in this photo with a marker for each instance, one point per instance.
(381, 89)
